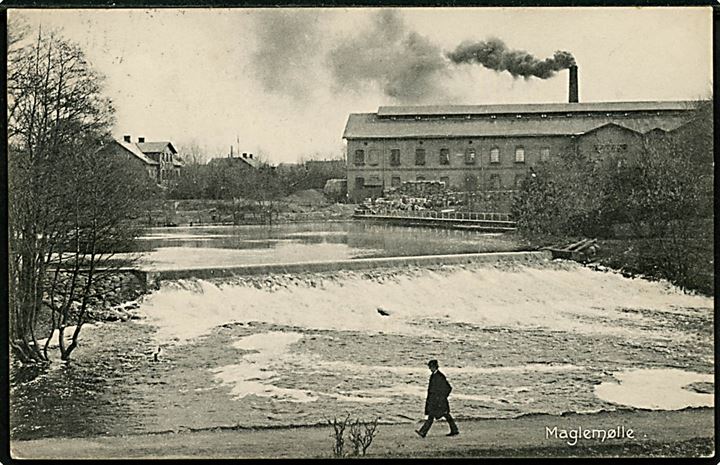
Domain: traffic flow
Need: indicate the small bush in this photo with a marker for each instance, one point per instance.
(362, 435)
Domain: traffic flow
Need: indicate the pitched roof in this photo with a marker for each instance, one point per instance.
(370, 125)
(253, 162)
(427, 110)
(155, 147)
(133, 149)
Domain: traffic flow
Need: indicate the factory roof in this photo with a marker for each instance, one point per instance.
(440, 110)
(511, 121)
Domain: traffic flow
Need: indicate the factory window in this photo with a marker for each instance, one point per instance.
(373, 181)
(419, 156)
(494, 155)
(519, 154)
(446, 180)
(359, 183)
(470, 157)
(420, 178)
(545, 154)
(471, 182)
(495, 182)
(373, 157)
(395, 181)
(395, 157)
(444, 157)
(360, 157)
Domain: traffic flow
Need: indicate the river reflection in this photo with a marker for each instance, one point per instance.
(165, 247)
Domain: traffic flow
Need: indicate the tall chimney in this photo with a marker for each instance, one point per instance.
(573, 89)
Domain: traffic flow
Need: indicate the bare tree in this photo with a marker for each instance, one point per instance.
(68, 200)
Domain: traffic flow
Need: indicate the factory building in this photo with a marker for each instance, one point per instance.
(491, 148)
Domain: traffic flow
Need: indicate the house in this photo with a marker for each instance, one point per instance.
(244, 160)
(159, 159)
(164, 153)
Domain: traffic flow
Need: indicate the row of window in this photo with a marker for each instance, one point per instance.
(443, 156)
(471, 182)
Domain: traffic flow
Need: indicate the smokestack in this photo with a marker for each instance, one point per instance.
(573, 84)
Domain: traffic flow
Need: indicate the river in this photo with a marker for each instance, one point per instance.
(549, 337)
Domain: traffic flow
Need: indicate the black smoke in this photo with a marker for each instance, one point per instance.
(282, 61)
(403, 64)
(494, 54)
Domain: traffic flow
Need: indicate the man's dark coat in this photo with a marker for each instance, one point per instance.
(439, 389)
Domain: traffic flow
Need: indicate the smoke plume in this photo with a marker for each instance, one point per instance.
(495, 55)
(404, 65)
(282, 60)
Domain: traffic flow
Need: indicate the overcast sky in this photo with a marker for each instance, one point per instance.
(283, 81)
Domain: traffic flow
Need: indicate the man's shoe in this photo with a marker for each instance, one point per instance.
(419, 433)
(453, 433)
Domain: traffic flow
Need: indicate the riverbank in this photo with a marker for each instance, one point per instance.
(684, 433)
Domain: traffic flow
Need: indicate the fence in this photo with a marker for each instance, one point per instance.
(441, 215)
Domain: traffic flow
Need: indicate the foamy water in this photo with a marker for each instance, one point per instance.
(656, 389)
(254, 374)
(574, 300)
(313, 364)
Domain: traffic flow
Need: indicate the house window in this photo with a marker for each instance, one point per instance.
(360, 157)
(444, 157)
(373, 157)
(495, 182)
(419, 156)
(519, 154)
(359, 183)
(395, 181)
(545, 154)
(420, 178)
(494, 155)
(395, 157)
(446, 180)
(470, 157)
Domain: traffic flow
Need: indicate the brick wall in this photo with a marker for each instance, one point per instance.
(377, 170)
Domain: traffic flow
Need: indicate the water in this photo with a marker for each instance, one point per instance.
(549, 338)
(194, 247)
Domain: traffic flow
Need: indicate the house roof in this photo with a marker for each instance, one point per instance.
(427, 110)
(133, 149)
(370, 125)
(253, 162)
(155, 147)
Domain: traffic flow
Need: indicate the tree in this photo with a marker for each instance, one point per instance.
(69, 200)
(665, 195)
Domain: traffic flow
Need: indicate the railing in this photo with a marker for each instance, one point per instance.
(441, 215)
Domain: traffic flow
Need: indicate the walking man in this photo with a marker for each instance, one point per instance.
(436, 404)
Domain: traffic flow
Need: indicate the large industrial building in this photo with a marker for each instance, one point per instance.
(490, 148)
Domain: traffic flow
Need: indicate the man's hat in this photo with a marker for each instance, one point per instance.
(433, 363)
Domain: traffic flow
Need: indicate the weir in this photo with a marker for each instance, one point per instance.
(152, 276)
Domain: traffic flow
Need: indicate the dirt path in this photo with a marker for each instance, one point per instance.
(659, 433)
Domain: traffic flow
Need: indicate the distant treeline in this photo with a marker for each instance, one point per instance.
(233, 178)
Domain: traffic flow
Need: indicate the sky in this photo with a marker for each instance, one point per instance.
(281, 82)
